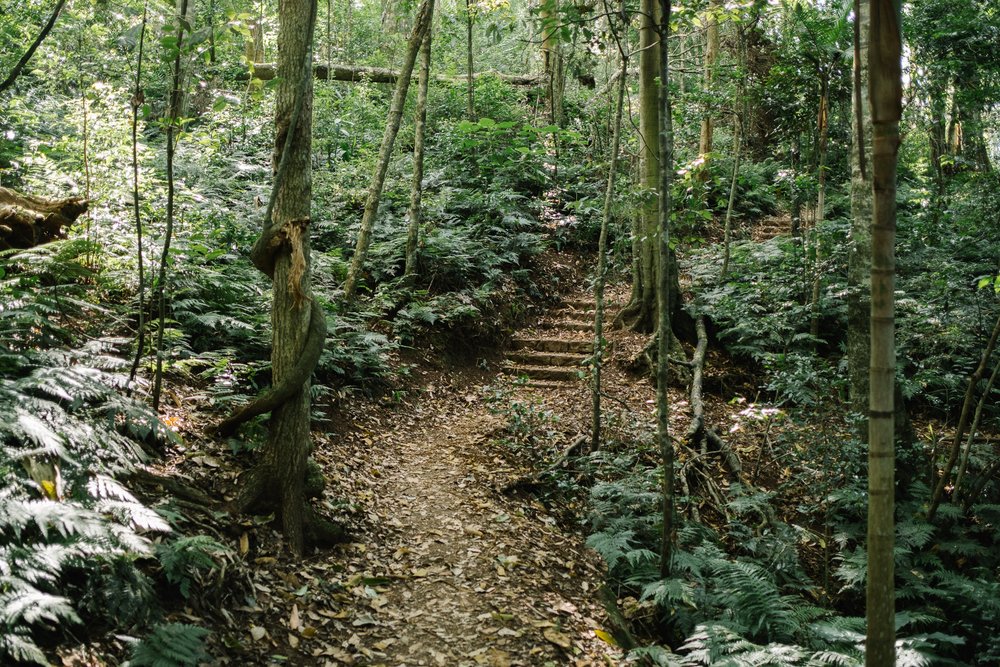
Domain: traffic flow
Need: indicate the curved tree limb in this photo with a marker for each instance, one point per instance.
(16, 72)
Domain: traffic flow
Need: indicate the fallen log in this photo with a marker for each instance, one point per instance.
(268, 71)
(27, 220)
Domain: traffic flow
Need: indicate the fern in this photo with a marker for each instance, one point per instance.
(185, 559)
(171, 645)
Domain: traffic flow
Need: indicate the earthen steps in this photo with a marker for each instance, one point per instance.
(560, 345)
(533, 358)
(545, 372)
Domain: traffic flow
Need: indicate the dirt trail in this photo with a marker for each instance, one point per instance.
(475, 578)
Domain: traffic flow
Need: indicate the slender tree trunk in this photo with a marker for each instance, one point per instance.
(420, 26)
(727, 232)
(823, 127)
(602, 253)
(859, 255)
(19, 66)
(137, 102)
(974, 429)
(796, 212)
(552, 59)
(711, 58)
(885, 90)
(470, 71)
(666, 154)
(416, 192)
(963, 422)
(211, 32)
(173, 117)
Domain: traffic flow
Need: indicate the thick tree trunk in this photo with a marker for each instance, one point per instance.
(640, 312)
(416, 192)
(859, 255)
(421, 25)
(885, 81)
(27, 220)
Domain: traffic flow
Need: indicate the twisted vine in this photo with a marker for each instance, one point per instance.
(274, 239)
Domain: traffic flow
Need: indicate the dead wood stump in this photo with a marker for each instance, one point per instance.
(27, 220)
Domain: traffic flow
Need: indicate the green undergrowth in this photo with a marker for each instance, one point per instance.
(80, 554)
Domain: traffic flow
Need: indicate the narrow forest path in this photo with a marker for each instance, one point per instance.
(444, 567)
(473, 577)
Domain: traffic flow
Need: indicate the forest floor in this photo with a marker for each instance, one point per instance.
(451, 559)
(443, 566)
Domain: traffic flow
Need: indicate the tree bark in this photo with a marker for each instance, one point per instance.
(711, 58)
(639, 314)
(885, 90)
(173, 115)
(470, 77)
(416, 192)
(859, 250)
(823, 128)
(27, 220)
(665, 144)
(552, 59)
(421, 25)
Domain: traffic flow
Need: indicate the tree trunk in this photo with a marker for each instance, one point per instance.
(602, 252)
(416, 192)
(711, 58)
(665, 144)
(19, 66)
(552, 59)
(421, 25)
(470, 89)
(963, 421)
(640, 313)
(173, 116)
(885, 90)
(823, 127)
(859, 244)
(136, 102)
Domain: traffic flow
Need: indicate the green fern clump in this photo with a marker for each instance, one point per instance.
(170, 645)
